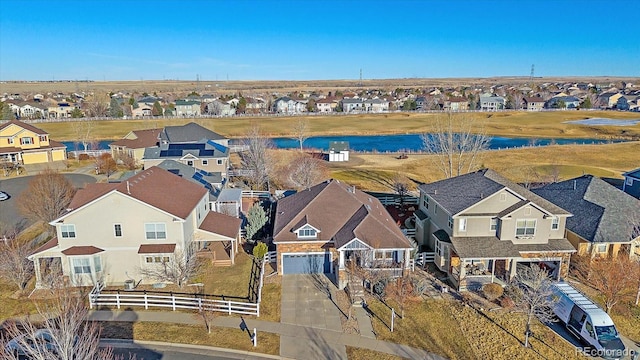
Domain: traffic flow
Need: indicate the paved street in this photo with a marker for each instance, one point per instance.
(9, 213)
(150, 350)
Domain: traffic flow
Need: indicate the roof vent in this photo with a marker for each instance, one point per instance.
(435, 192)
(575, 184)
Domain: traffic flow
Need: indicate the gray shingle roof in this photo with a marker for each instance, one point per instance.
(602, 212)
(190, 132)
(459, 193)
(491, 247)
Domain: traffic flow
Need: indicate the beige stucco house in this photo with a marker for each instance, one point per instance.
(134, 143)
(483, 227)
(112, 231)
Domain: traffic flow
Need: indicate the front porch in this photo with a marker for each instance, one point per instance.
(218, 252)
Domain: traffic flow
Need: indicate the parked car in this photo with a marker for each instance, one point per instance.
(3, 196)
(41, 339)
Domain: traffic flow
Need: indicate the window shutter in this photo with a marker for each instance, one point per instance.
(33, 142)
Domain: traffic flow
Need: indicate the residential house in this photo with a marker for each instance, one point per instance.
(134, 143)
(535, 103)
(563, 102)
(187, 108)
(456, 103)
(60, 110)
(352, 105)
(606, 220)
(608, 100)
(483, 227)
(29, 110)
(338, 151)
(255, 105)
(421, 103)
(376, 105)
(326, 227)
(632, 183)
(210, 181)
(326, 105)
(287, 105)
(142, 111)
(111, 231)
(192, 145)
(22, 143)
(490, 102)
(219, 108)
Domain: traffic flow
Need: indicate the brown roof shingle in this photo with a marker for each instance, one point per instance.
(24, 126)
(82, 250)
(157, 249)
(144, 138)
(222, 224)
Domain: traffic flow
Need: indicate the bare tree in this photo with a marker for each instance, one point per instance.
(177, 268)
(83, 132)
(456, 144)
(15, 267)
(305, 171)
(96, 106)
(401, 186)
(257, 159)
(47, 196)
(70, 335)
(105, 165)
(616, 278)
(301, 131)
(401, 289)
(531, 292)
(208, 315)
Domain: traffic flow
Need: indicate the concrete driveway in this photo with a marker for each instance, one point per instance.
(307, 301)
(9, 213)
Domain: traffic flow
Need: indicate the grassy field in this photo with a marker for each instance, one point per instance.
(364, 354)
(375, 171)
(268, 343)
(510, 124)
(455, 331)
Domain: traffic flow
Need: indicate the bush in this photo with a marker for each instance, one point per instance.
(260, 250)
(492, 291)
(507, 303)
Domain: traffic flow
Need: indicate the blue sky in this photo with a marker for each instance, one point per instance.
(316, 40)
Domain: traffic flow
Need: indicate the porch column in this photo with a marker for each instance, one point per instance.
(341, 261)
(407, 258)
(512, 268)
(36, 265)
(232, 252)
(493, 269)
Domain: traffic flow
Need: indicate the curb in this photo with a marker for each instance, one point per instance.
(128, 343)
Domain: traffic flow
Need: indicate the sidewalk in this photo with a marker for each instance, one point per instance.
(306, 337)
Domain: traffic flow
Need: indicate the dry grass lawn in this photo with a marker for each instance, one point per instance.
(268, 343)
(354, 353)
(455, 331)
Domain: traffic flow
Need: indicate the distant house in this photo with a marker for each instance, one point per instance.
(134, 143)
(352, 105)
(61, 110)
(533, 103)
(212, 181)
(376, 105)
(489, 102)
(338, 151)
(456, 104)
(219, 108)
(563, 102)
(330, 225)
(22, 143)
(142, 111)
(609, 100)
(187, 108)
(287, 105)
(605, 222)
(325, 105)
(632, 183)
(255, 105)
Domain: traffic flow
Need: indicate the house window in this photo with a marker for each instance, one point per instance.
(503, 197)
(494, 224)
(307, 233)
(97, 263)
(117, 230)
(462, 225)
(383, 255)
(555, 223)
(220, 161)
(26, 141)
(43, 137)
(627, 180)
(601, 248)
(190, 162)
(155, 231)
(157, 259)
(10, 140)
(450, 222)
(68, 231)
(425, 202)
(205, 162)
(81, 265)
(526, 227)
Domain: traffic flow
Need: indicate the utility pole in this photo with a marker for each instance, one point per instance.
(531, 75)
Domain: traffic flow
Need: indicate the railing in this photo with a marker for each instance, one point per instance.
(238, 148)
(425, 257)
(93, 153)
(239, 172)
(409, 232)
(270, 257)
(256, 194)
(395, 200)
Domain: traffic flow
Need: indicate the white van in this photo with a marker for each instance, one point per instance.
(587, 321)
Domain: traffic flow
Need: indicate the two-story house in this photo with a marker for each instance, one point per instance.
(287, 105)
(352, 105)
(533, 103)
(483, 227)
(187, 108)
(134, 143)
(331, 225)
(113, 230)
(22, 143)
(605, 221)
(490, 102)
(192, 145)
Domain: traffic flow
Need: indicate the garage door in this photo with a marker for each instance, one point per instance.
(306, 263)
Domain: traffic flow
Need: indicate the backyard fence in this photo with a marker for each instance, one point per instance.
(99, 296)
(423, 258)
(270, 257)
(395, 200)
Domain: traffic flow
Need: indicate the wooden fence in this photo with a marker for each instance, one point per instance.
(424, 257)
